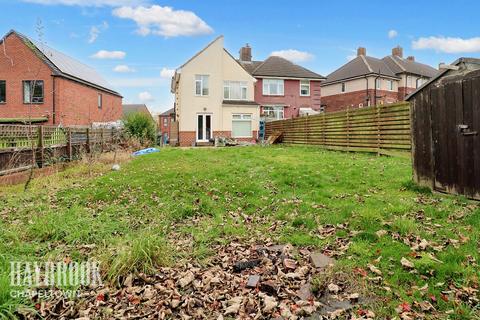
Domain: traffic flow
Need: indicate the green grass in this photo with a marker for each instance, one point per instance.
(132, 219)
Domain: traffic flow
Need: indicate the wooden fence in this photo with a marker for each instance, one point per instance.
(381, 129)
(22, 146)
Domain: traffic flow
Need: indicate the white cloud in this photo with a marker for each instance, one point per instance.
(448, 44)
(164, 21)
(167, 73)
(392, 34)
(123, 68)
(145, 97)
(104, 54)
(293, 55)
(89, 3)
(94, 32)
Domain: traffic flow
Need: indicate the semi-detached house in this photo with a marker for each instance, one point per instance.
(214, 97)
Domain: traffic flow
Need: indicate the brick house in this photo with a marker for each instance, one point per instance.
(214, 97)
(42, 85)
(283, 89)
(165, 123)
(366, 81)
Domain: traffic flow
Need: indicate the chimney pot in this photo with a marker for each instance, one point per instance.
(397, 51)
(411, 58)
(246, 53)
(361, 51)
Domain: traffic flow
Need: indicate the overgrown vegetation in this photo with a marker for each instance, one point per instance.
(140, 126)
(361, 206)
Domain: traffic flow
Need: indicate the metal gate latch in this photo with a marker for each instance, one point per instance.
(465, 130)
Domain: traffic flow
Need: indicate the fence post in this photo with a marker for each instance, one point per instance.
(69, 144)
(102, 142)
(378, 130)
(324, 137)
(348, 128)
(87, 146)
(41, 145)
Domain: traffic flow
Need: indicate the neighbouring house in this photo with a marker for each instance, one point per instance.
(135, 108)
(214, 97)
(165, 120)
(283, 89)
(42, 85)
(366, 81)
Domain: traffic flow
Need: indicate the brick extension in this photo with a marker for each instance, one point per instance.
(187, 138)
(340, 102)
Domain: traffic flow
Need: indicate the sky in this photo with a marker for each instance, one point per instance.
(137, 44)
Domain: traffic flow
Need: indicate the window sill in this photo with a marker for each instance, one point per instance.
(305, 95)
(201, 96)
(273, 95)
(1, 102)
(30, 103)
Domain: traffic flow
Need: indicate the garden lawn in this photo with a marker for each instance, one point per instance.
(131, 219)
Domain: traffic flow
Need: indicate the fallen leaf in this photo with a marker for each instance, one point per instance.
(407, 263)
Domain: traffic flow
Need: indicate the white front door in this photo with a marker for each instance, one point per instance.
(204, 127)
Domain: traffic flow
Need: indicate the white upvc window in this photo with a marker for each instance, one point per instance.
(273, 87)
(389, 85)
(242, 125)
(378, 83)
(420, 82)
(305, 88)
(235, 90)
(273, 112)
(409, 82)
(201, 85)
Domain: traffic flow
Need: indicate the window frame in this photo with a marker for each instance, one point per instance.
(390, 85)
(243, 119)
(305, 84)
(343, 88)
(33, 84)
(227, 85)
(280, 83)
(200, 79)
(378, 84)
(4, 82)
(99, 101)
(276, 110)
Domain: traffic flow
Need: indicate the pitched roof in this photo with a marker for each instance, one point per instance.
(399, 65)
(279, 67)
(65, 66)
(134, 108)
(360, 66)
(168, 112)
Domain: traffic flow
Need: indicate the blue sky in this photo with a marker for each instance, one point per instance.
(135, 44)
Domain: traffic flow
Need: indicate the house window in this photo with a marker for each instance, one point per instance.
(235, 90)
(344, 87)
(99, 101)
(378, 84)
(3, 91)
(409, 81)
(201, 85)
(420, 82)
(273, 112)
(33, 91)
(242, 126)
(305, 88)
(165, 122)
(390, 85)
(273, 87)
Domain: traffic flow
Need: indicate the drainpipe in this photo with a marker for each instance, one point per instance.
(405, 91)
(375, 88)
(367, 98)
(54, 111)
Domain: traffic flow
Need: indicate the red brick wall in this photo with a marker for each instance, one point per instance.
(186, 138)
(17, 64)
(339, 102)
(403, 92)
(161, 127)
(291, 97)
(75, 103)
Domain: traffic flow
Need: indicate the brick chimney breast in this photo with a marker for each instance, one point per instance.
(246, 53)
(397, 51)
(411, 58)
(361, 51)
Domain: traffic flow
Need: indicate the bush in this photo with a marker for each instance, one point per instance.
(140, 126)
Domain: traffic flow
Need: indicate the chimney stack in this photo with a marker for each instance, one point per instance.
(397, 52)
(246, 53)
(361, 51)
(411, 58)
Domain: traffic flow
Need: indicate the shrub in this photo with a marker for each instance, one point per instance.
(140, 126)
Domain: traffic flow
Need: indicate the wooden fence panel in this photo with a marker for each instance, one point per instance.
(380, 129)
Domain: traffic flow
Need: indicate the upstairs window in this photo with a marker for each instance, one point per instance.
(201, 85)
(389, 85)
(33, 91)
(273, 87)
(378, 84)
(305, 88)
(99, 101)
(344, 87)
(409, 81)
(235, 90)
(3, 91)
(165, 122)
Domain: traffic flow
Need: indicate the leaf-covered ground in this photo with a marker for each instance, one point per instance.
(406, 252)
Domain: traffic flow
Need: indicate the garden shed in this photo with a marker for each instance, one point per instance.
(445, 130)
